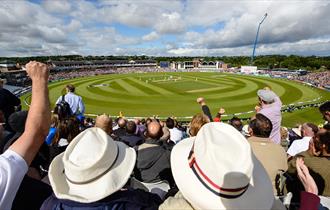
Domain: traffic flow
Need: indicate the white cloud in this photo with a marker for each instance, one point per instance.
(151, 36)
(182, 27)
(57, 6)
(170, 23)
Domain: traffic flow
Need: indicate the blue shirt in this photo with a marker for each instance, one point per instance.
(76, 104)
(51, 135)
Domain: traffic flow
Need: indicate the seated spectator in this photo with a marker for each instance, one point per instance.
(52, 130)
(308, 198)
(66, 132)
(15, 161)
(166, 132)
(308, 130)
(130, 138)
(236, 123)
(17, 123)
(93, 176)
(196, 123)
(317, 159)
(175, 134)
(325, 111)
(140, 127)
(153, 158)
(88, 122)
(272, 156)
(227, 176)
(8, 103)
(120, 131)
(105, 123)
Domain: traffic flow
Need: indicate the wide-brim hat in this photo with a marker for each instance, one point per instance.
(217, 170)
(92, 167)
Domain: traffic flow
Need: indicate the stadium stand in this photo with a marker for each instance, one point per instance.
(202, 165)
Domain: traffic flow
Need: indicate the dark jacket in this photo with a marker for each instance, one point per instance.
(120, 200)
(117, 134)
(8, 101)
(153, 162)
(131, 140)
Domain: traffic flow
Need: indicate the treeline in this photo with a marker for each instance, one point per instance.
(262, 61)
(267, 61)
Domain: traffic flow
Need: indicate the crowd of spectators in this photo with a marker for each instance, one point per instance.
(55, 161)
(63, 75)
(318, 79)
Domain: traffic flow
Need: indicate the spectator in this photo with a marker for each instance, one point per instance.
(325, 111)
(53, 128)
(236, 123)
(105, 123)
(207, 112)
(15, 161)
(76, 104)
(8, 102)
(88, 123)
(93, 176)
(308, 199)
(140, 127)
(175, 134)
(271, 155)
(166, 132)
(130, 138)
(153, 159)
(227, 176)
(317, 159)
(308, 130)
(120, 131)
(17, 122)
(196, 123)
(270, 105)
(66, 132)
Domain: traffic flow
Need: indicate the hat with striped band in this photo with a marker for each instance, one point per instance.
(217, 170)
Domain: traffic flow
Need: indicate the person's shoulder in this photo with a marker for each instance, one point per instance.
(176, 202)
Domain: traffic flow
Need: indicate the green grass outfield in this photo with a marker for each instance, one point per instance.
(167, 94)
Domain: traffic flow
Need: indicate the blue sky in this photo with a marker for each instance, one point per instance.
(163, 27)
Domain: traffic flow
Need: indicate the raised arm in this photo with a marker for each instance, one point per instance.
(205, 108)
(38, 120)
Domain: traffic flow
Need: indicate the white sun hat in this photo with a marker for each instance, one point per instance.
(217, 170)
(92, 167)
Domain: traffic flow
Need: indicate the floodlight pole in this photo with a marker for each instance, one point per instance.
(256, 40)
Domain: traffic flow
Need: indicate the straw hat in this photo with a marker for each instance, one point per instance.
(217, 170)
(92, 167)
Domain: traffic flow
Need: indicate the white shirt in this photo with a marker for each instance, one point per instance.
(12, 170)
(175, 135)
(76, 104)
(299, 145)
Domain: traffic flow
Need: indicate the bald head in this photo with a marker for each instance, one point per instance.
(154, 130)
(121, 122)
(105, 123)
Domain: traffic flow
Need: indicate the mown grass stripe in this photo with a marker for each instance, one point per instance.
(131, 89)
(160, 90)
